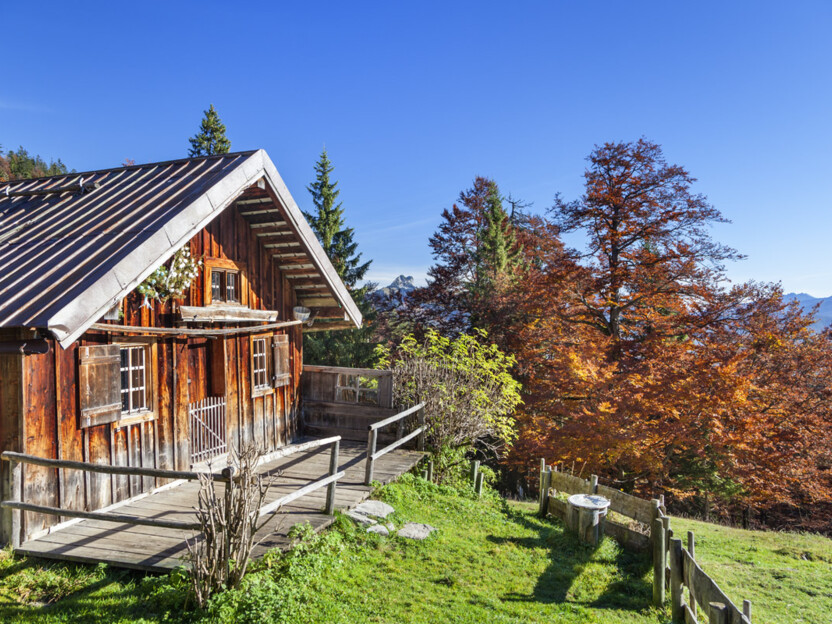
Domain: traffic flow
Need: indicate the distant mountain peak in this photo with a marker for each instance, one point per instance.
(402, 283)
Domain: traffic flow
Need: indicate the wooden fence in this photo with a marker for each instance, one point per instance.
(651, 531)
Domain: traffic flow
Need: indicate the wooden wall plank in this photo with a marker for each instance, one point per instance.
(70, 439)
(165, 413)
(180, 405)
(40, 484)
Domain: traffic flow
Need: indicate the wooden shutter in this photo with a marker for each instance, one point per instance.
(99, 384)
(280, 357)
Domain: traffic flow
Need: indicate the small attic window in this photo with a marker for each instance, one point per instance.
(225, 281)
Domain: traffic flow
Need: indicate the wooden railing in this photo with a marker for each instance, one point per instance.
(372, 438)
(16, 505)
(683, 571)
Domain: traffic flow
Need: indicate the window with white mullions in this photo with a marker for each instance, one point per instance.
(225, 286)
(133, 380)
(259, 363)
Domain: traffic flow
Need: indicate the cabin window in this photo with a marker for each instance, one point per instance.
(134, 380)
(225, 286)
(269, 363)
(259, 364)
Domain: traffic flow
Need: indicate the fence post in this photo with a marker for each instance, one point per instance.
(692, 551)
(746, 609)
(371, 450)
(475, 468)
(677, 605)
(420, 440)
(593, 484)
(717, 613)
(659, 555)
(541, 486)
(478, 486)
(430, 470)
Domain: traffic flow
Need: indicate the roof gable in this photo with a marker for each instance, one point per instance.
(67, 257)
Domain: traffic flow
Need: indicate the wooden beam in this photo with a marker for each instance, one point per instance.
(165, 331)
(333, 312)
(108, 517)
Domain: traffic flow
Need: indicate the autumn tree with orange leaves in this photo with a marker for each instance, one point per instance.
(642, 364)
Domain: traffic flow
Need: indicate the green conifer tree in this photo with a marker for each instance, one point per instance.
(345, 347)
(211, 138)
(498, 250)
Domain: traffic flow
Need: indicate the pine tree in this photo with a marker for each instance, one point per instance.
(345, 347)
(498, 253)
(211, 138)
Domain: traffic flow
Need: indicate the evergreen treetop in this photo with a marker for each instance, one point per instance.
(211, 138)
(328, 224)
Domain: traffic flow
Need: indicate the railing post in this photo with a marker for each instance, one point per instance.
(593, 484)
(677, 606)
(746, 609)
(333, 469)
(478, 485)
(16, 493)
(475, 468)
(420, 441)
(371, 450)
(430, 470)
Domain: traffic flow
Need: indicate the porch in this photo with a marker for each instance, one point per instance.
(158, 549)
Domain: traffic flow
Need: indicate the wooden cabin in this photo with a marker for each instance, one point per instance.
(92, 371)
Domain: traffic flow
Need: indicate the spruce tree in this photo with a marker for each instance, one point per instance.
(211, 138)
(353, 347)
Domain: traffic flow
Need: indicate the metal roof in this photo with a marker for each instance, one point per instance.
(71, 246)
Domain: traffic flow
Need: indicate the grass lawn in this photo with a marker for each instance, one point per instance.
(490, 561)
(786, 576)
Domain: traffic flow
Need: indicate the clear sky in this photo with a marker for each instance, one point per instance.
(412, 100)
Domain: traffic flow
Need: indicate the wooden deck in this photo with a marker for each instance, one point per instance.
(159, 550)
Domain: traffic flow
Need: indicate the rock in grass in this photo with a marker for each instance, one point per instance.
(380, 529)
(416, 531)
(360, 518)
(374, 508)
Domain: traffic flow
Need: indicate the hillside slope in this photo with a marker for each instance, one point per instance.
(786, 576)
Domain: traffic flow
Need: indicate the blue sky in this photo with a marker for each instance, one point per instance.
(412, 100)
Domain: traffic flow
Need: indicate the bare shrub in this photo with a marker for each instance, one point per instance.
(230, 519)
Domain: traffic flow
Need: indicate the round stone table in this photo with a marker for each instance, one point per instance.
(585, 516)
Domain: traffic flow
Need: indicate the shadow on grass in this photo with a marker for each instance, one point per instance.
(78, 593)
(629, 588)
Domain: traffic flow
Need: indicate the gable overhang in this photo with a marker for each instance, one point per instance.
(71, 321)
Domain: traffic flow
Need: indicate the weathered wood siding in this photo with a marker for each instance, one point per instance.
(39, 401)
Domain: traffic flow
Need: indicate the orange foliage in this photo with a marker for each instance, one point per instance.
(638, 361)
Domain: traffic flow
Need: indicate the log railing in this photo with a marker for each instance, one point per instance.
(16, 504)
(683, 571)
(372, 438)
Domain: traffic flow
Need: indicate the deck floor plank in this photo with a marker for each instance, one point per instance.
(159, 550)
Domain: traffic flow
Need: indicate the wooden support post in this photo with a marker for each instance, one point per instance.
(746, 609)
(16, 491)
(659, 561)
(475, 468)
(425, 474)
(371, 450)
(677, 604)
(430, 470)
(478, 486)
(333, 469)
(420, 441)
(541, 486)
(668, 533)
(593, 484)
(718, 613)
